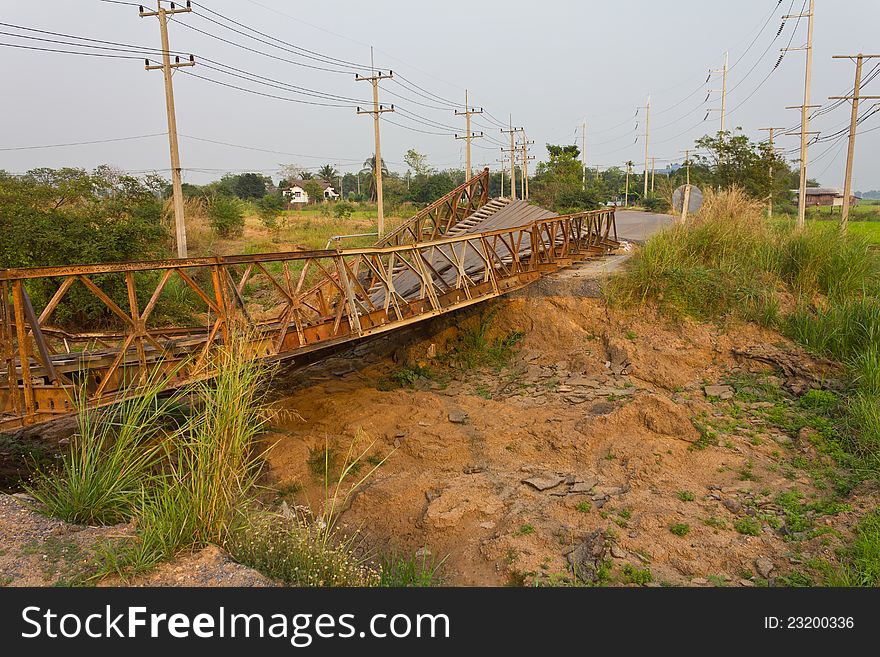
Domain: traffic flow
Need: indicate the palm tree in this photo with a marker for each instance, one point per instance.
(328, 172)
(369, 170)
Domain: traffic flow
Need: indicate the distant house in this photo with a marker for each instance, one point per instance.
(826, 196)
(295, 193)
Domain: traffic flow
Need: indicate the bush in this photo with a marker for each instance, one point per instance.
(343, 210)
(226, 216)
(269, 207)
(654, 203)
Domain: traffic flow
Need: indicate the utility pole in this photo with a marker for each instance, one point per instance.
(626, 192)
(647, 139)
(770, 173)
(686, 201)
(167, 67)
(468, 135)
(653, 172)
(502, 161)
(850, 154)
(376, 111)
(525, 165)
(723, 91)
(584, 153)
(512, 131)
(805, 112)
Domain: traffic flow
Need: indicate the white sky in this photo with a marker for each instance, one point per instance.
(549, 64)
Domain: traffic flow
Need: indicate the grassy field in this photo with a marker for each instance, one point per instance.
(305, 229)
(864, 211)
(869, 230)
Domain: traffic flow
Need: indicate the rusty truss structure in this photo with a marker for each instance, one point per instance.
(461, 250)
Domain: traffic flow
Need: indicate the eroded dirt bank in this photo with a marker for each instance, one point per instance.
(596, 452)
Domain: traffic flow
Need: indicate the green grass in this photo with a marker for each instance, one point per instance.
(686, 496)
(748, 526)
(526, 529)
(403, 570)
(111, 461)
(680, 529)
(474, 348)
(632, 575)
(405, 377)
(867, 230)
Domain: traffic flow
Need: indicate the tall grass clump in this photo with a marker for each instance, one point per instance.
(211, 463)
(112, 459)
(729, 261)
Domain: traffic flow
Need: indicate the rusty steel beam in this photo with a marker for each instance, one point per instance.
(338, 296)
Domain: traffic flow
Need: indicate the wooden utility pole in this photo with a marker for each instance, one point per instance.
(167, 67)
(805, 112)
(853, 124)
(502, 161)
(512, 131)
(770, 172)
(653, 172)
(468, 135)
(647, 140)
(376, 111)
(626, 192)
(525, 166)
(686, 201)
(584, 153)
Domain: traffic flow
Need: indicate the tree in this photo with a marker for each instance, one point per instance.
(251, 185)
(328, 172)
(733, 159)
(558, 183)
(315, 190)
(417, 162)
(226, 216)
(369, 170)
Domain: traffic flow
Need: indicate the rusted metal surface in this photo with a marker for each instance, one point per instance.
(290, 303)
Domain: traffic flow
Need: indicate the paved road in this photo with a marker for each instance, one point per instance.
(636, 225)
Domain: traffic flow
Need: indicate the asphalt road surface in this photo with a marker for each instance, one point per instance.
(637, 225)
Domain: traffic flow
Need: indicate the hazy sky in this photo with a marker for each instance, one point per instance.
(548, 63)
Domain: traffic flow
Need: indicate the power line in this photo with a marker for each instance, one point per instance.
(83, 143)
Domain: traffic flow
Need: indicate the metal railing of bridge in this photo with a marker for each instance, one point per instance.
(287, 304)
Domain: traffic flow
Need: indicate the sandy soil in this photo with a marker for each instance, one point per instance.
(508, 475)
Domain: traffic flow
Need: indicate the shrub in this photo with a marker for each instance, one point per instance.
(226, 216)
(748, 526)
(269, 207)
(343, 210)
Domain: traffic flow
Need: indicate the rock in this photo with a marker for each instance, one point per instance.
(732, 505)
(746, 582)
(618, 552)
(616, 350)
(458, 417)
(423, 552)
(720, 391)
(543, 482)
(579, 380)
(586, 558)
(699, 581)
(764, 566)
(583, 487)
(602, 408)
(666, 418)
(608, 491)
(782, 439)
(577, 399)
(562, 365)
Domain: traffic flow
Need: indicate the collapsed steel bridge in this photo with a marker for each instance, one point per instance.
(461, 250)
